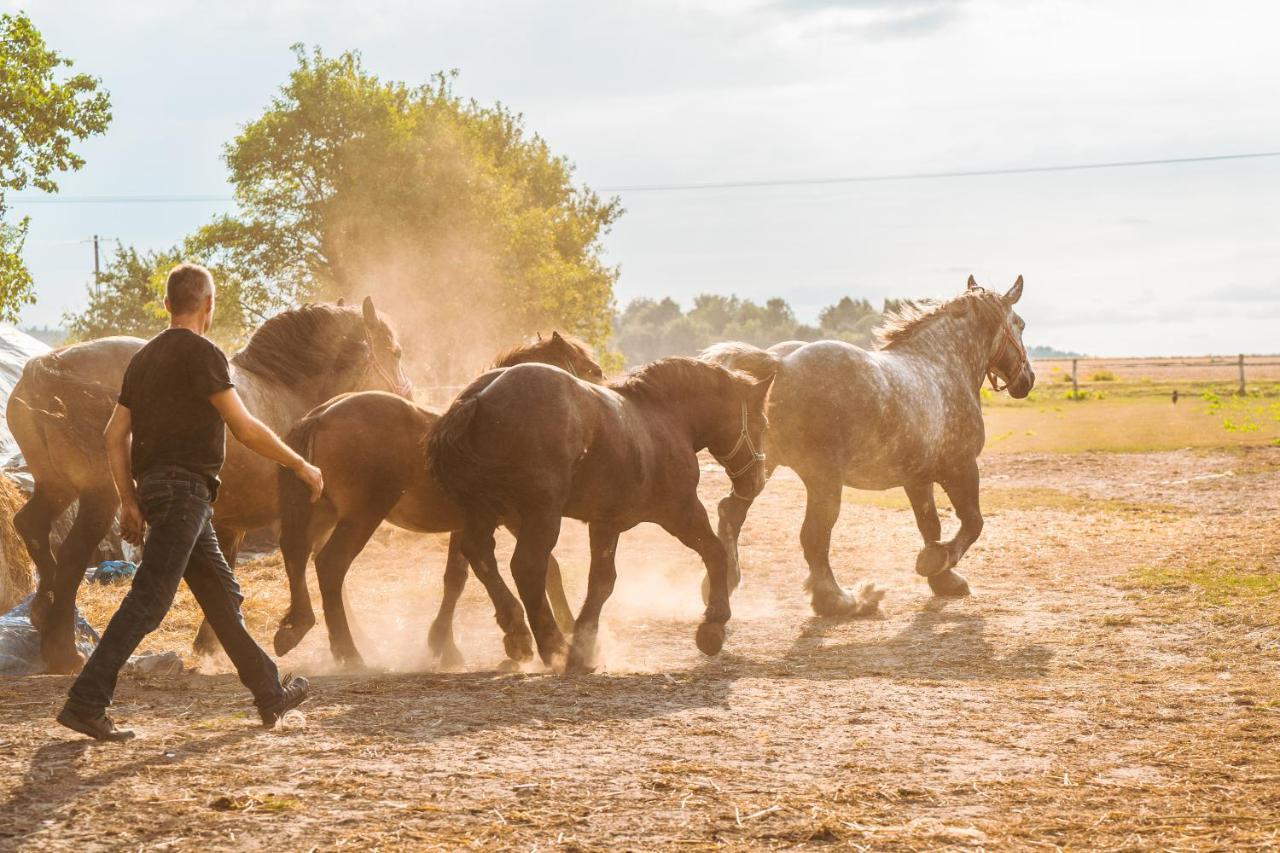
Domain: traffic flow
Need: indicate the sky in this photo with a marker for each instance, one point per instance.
(1152, 260)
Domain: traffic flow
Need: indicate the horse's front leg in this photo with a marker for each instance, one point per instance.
(440, 638)
(692, 527)
(732, 513)
(938, 559)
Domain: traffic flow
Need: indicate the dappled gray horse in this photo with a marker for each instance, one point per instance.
(907, 414)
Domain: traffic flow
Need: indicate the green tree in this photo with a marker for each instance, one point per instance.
(128, 298)
(449, 212)
(40, 117)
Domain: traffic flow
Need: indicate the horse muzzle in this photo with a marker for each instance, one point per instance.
(1020, 387)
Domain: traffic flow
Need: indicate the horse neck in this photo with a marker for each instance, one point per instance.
(959, 345)
(703, 414)
(279, 404)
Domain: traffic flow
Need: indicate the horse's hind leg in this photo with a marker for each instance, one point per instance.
(440, 638)
(229, 539)
(297, 543)
(477, 545)
(539, 531)
(34, 522)
(600, 581)
(93, 520)
(822, 509)
(940, 558)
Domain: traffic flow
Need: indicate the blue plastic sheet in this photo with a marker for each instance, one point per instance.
(20, 644)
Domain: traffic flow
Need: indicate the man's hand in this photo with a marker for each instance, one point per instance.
(131, 522)
(311, 476)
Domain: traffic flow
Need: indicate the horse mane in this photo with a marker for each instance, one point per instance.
(903, 324)
(531, 351)
(668, 377)
(296, 345)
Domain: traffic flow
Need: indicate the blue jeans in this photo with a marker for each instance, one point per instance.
(180, 543)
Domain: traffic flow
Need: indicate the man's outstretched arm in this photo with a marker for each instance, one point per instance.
(259, 438)
(119, 438)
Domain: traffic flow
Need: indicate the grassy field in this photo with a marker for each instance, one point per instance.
(1130, 409)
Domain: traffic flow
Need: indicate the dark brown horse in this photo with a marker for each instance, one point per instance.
(371, 449)
(62, 402)
(908, 414)
(537, 444)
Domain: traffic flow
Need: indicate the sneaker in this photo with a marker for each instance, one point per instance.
(296, 691)
(98, 727)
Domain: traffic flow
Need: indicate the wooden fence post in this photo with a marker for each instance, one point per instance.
(1241, 363)
(1075, 381)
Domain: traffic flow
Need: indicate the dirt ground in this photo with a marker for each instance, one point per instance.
(1114, 682)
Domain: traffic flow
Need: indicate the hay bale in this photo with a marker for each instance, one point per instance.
(15, 563)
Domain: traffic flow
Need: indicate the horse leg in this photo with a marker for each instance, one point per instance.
(297, 543)
(539, 531)
(34, 522)
(732, 513)
(93, 520)
(600, 581)
(332, 563)
(962, 488)
(477, 546)
(822, 508)
(693, 529)
(440, 638)
(556, 599)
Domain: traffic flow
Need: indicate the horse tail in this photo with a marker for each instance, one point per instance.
(737, 355)
(467, 478)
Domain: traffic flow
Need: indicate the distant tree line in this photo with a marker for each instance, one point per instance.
(647, 328)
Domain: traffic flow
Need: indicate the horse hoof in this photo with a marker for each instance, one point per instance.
(206, 642)
(950, 584)
(62, 661)
(577, 665)
(710, 638)
(838, 604)
(286, 639)
(932, 560)
(519, 645)
(452, 660)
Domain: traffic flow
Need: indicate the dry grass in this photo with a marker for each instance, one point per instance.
(16, 579)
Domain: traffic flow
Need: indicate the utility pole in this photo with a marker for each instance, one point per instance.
(96, 269)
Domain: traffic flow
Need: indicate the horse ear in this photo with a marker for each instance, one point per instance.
(761, 388)
(555, 336)
(972, 285)
(370, 315)
(342, 300)
(1015, 292)
(539, 337)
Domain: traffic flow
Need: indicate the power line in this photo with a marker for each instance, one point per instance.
(719, 185)
(920, 176)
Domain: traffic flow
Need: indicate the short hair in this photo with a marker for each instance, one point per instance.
(186, 288)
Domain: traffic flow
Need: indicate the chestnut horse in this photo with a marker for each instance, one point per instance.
(61, 404)
(908, 414)
(371, 448)
(537, 444)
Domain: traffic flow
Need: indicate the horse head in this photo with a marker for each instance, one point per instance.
(1008, 362)
(739, 445)
(384, 370)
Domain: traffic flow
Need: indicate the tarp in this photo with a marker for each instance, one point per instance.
(15, 348)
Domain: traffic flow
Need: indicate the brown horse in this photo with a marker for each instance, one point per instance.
(371, 448)
(61, 404)
(540, 445)
(908, 414)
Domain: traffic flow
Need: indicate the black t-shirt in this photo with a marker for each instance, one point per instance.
(166, 390)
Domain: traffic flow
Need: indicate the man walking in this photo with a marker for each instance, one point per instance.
(165, 443)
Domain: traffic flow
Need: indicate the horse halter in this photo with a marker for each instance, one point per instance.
(1006, 341)
(744, 443)
(404, 389)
